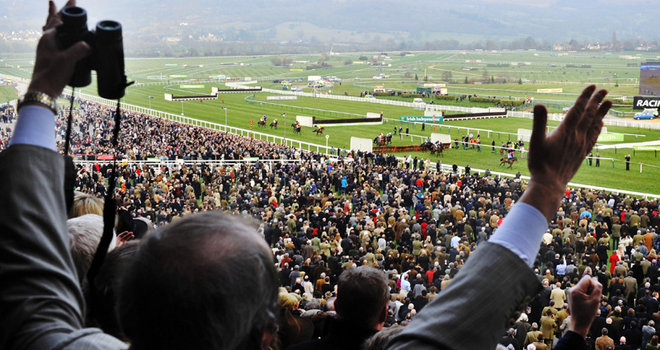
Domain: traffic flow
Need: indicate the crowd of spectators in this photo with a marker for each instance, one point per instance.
(7, 119)
(357, 247)
(322, 216)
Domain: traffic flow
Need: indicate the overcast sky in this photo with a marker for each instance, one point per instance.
(555, 20)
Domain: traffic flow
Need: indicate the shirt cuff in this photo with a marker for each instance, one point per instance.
(522, 231)
(35, 126)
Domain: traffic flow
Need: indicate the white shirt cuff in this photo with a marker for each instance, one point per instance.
(35, 126)
(522, 231)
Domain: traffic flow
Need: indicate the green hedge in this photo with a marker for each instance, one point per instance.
(408, 95)
(617, 101)
(494, 101)
(446, 97)
(404, 95)
(503, 102)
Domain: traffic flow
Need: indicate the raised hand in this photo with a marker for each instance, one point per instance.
(124, 237)
(583, 301)
(554, 159)
(54, 18)
(53, 67)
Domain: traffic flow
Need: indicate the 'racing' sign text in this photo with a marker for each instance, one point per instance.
(646, 102)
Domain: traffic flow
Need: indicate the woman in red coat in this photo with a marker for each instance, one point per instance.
(613, 259)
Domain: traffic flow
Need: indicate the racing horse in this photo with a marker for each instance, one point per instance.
(273, 124)
(510, 161)
(262, 123)
(433, 148)
(318, 130)
(296, 127)
(382, 140)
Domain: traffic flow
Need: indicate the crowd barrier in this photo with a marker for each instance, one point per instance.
(607, 121)
(378, 120)
(189, 162)
(394, 149)
(371, 100)
(465, 116)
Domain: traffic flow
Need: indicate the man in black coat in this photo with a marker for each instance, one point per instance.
(361, 305)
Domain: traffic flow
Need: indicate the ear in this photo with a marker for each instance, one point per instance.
(267, 339)
(382, 318)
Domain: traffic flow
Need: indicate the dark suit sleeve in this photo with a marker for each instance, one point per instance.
(571, 341)
(40, 299)
(474, 309)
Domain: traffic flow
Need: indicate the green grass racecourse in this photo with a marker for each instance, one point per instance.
(517, 74)
(7, 93)
(240, 113)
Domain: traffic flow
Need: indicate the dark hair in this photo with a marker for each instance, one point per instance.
(107, 288)
(380, 340)
(362, 294)
(202, 282)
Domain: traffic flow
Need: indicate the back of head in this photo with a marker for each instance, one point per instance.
(206, 281)
(380, 340)
(85, 233)
(104, 301)
(362, 294)
(84, 203)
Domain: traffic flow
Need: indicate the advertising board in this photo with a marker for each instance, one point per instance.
(549, 91)
(422, 119)
(649, 78)
(646, 148)
(643, 102)
(361, 144)
(281, 98)
(443, 138)
(610, 137)
(524, 134)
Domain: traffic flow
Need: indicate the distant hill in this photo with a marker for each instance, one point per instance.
(356, 21)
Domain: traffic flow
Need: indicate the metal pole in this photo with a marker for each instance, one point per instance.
(181, 107)
(225, 108)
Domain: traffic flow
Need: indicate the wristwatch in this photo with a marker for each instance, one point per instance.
(38, 97)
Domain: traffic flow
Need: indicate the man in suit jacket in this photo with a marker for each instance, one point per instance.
(42, 302)
(362, 302)
(604, 342)
(548, 327)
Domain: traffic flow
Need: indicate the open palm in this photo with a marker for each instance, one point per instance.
(555, 158)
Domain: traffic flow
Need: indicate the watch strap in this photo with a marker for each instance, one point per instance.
(39, 97)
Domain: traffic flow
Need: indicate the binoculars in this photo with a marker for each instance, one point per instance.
(107, 57)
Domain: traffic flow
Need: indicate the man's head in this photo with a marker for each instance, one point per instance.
(206, 281)
(85, 233)
(86, 204)
(362, 296)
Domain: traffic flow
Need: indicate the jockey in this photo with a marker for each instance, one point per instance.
(511, 155)
(263, 118)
